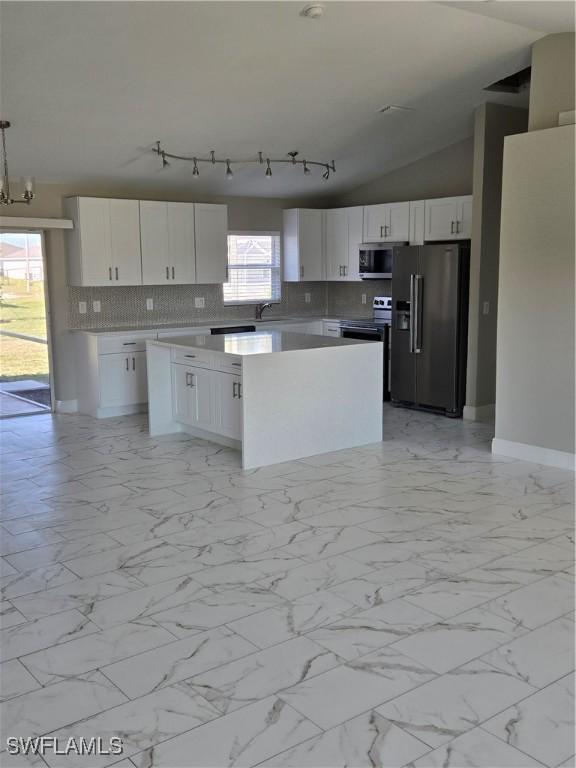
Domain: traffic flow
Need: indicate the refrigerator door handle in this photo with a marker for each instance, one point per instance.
(418, 286)
(412, 314)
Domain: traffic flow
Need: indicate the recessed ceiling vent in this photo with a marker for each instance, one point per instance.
(516, 83)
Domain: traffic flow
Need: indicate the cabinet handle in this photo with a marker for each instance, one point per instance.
(451, 227)
(116, 268)
(109, 273)
(189, 379)
(239, 390)
(234, 385)
(381, 228)
(167, 273)
(301, 270)
(128, 343)
(457, 227)
(127, 365)
(173, 274)
(189, 355)
(133, 363)
(238, 364)
(345, 268)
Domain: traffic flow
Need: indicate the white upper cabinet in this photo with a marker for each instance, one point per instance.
(303, 237)
(343, 235)
(448, 218)
(389, 222)
(168, 246)
(417, 214)
(104, 246)
(211, 227)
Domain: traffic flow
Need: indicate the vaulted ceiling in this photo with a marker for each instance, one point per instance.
(89, 86)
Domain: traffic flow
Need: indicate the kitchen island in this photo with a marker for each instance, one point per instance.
(273, 395)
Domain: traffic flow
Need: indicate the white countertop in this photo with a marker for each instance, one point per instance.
(258, 342)
(266, 321)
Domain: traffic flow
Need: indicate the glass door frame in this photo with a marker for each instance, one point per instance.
(47, 312)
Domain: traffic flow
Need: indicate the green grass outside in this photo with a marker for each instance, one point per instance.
(22, 312)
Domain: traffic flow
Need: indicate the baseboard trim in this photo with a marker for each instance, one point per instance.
(479, 412)
(535, 454)
(66, 406)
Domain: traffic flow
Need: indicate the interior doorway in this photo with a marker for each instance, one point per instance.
(25, 376)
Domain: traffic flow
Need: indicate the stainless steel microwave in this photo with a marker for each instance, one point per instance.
(375, 260)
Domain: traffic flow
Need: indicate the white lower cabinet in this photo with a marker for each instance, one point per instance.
(330, 328)
(208, 400)
(122, 379)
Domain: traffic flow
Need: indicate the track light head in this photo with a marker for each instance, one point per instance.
(268, 169)
(326, 174)
(195, 171)
(229, 173)
(307, 170)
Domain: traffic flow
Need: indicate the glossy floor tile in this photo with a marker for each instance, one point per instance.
(407, 604)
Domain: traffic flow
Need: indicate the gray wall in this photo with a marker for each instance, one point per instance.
(552, 86)
(535, 364)
(442, 174)
(492, 123)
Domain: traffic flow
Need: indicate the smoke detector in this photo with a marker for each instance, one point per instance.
(312, 10)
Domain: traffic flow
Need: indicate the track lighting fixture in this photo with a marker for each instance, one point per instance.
(5, 197)
(291, 158)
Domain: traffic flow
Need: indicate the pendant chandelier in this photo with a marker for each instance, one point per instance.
(5, 197)
(290, 159)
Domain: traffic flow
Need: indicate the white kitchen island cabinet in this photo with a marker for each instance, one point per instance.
(273, 395)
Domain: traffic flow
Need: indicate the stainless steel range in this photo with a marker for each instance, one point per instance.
(375, 328)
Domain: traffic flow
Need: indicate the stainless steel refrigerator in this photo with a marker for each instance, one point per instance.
(430, 326)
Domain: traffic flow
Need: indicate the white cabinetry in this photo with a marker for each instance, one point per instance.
(331, 328)
(417, 214)
(209, 400)
(168, 247)
(122, 379)
(303, 236)
(104, 246)
(111, 373)
(448, 218)
(343, 235)
(388, 222)
(211, 229)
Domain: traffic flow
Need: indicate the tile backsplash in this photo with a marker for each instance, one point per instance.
(174, 304)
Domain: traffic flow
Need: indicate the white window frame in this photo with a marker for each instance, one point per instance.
(255, 233)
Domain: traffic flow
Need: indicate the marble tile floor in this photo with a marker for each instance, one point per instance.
(405, 604)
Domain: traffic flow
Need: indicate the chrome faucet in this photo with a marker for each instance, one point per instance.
(260, 308)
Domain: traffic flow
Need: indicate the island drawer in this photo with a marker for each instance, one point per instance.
(228, 364)
(192, 357)
(108, 345)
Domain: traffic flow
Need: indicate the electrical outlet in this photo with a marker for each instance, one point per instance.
(307, 298)
(149, 304)
(96, 306)
(199, 302)
(363, 298)
(486, 308)
(82, 307)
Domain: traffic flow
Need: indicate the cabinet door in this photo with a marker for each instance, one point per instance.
(181, 399)
(211, 231)
(417, 222)
(311, 244)
(201, 393)
(465, 218)
(355, 220)
(336, 244)
(228, 393)
(398, 223)
(441, 218)
(122, 379)
(181, 246)
(94, 236)
(125, 242)
(155, 243)
(376, 217)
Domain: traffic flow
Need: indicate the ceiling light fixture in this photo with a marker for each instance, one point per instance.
(312, 10)
(291, 158)
(5, 199)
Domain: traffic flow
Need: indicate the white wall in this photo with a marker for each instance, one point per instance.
(535, 353)
(552, 84)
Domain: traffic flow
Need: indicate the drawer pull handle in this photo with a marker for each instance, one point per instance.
(127, 365)
(133, 363)
(189, 355)
(128, 343)
(238, 364)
